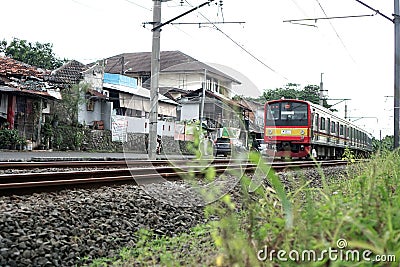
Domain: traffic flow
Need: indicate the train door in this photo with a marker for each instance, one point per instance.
(315, 127)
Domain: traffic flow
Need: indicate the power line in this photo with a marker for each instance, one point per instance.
(136, 4)
(240, 46)
(337, 34)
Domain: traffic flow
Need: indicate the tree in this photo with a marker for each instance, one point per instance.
(35, 54)
(293, 91)
(386, 144)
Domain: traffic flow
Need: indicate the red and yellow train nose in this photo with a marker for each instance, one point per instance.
(287, 134)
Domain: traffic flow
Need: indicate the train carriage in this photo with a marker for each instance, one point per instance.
(297, 129)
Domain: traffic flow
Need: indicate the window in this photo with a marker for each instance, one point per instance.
(341, 130)
(328, 124)
(333, 127)
(287, 113)
(90, 105)
(133, 113)
(316, 121)
(322, 124)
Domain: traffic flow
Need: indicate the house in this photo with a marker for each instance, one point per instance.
(92, 105)
(255, 117)
(132, 102)
(182, 78)
(25, 98)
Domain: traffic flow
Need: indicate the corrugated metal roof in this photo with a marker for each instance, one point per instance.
(170, 61)
(139, 91)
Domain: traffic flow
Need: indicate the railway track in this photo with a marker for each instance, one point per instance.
(118, 172)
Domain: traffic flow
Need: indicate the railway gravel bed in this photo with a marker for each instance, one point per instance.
(72, 227)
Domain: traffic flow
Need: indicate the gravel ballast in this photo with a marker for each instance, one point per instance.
(72, 227)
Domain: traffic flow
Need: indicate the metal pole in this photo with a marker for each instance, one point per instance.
(155, 71)
(321, 92)
(203, 97)
(345, 110)
(396, 72)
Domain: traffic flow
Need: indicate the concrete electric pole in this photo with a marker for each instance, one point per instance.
(321, 92)
(396, 72)
(155, 72)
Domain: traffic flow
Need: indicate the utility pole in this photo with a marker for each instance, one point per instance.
(396, 72)
(155, 71)
(203, 97)
(321, 92)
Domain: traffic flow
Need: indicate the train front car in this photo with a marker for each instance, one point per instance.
(287, 128)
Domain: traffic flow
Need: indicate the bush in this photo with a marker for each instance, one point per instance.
(9, 139)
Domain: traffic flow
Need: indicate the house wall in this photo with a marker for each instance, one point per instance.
(188, 81)
(102, 111)
(141, 125)
(86, 117)
(190, 111)
(94, 77)
(143, 104)
(193, 81)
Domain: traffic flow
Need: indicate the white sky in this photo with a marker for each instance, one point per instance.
(359, 64)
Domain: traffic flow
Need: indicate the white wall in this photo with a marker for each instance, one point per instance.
(190, 81)
(141, 125)
(87, 117)
(190, 111)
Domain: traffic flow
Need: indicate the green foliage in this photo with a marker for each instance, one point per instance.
(385, 145)
(348, 155)
(35, 54)
(10, 138)
(362, 209)
(72, 99)
(67, 137)
(155, 250)
(293, 91)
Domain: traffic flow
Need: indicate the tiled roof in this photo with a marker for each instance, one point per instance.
(170, 61)
(12, 67)
(69, 73)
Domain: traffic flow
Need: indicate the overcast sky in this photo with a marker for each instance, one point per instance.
(356, 55)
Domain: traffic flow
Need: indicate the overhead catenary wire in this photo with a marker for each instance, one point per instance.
(337, 34)
(240, 46)
(138, 5)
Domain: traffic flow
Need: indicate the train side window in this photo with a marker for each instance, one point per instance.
(322, 125)
(316, 120)
(328, 124)
(337, 128)
(333, 129)
(341, 130)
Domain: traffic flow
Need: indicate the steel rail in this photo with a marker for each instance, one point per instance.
(10, 183)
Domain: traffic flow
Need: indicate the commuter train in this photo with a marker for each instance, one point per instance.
(298, 129)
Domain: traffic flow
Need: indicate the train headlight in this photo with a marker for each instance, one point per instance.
(302, 132)
(269, 132)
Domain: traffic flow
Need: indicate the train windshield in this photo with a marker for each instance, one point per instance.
(287, 114)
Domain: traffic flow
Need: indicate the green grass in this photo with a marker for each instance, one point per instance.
(187, 249)
(363, 209)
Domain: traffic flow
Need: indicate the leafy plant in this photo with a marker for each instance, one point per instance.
(10, 138)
